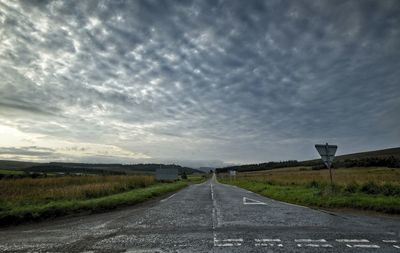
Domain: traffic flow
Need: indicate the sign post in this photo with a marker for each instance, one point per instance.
(327, 153)
(232, 174)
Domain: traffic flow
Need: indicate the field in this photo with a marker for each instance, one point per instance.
(197, 178)
(11, 172)
(38, 198)
(372, 188)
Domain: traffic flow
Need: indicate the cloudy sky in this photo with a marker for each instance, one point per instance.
(197, 82)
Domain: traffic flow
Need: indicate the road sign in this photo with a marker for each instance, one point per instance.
(166, 174)
(327, 153)
(232, 173)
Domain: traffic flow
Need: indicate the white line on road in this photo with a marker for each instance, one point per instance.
(390, 241)
(168, 197)
(396, 246)
(267, 240)
(352, 240)
(247, 201)
(309, 240)
(363, 246)
(227, 244)
(268, 244)
(314, 245)
(230, 240)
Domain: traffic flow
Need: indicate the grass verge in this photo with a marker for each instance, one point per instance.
(198, 178)
(320, 195)
(34, 212)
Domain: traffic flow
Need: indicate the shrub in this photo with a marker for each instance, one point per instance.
(352, 187)
(313, 184)
(390, 190)
(370, 188)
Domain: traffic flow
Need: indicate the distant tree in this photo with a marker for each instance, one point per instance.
(184, 176)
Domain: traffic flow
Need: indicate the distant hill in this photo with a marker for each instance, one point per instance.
(383, 153)
(16, 165)
(55, 167)
(206, 169)
(385, 157)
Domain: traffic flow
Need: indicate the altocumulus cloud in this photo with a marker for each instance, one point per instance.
(231, 81)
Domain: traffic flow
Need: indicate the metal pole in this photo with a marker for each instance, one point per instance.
(329, 163)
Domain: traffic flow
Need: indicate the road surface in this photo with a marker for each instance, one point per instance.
(208, 217)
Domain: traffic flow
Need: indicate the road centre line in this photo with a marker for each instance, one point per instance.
(396, 246)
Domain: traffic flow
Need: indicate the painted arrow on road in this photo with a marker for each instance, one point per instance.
(247, 201)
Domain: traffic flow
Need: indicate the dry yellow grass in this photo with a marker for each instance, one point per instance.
(300, 175)
(42, 190)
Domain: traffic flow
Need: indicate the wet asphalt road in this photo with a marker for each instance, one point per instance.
(208, 217)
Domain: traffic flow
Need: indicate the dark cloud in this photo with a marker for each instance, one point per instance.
(204, 80)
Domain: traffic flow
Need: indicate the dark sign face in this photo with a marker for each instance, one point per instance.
(327, 153)
(167, 174)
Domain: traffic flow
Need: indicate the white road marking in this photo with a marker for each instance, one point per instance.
(390, 241)
(168, 197)
(290, 204)
(231, 240)
(227, 242)
(212, 191)
(396, 246)
(213, 214)
(326, 246)
(268, 244)
(352, 240)
(363, 246)
(267, 240)
(252, 202)
(215, 220)
(309, 240)
(314, 245)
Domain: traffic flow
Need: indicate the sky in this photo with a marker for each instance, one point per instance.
(197, 83)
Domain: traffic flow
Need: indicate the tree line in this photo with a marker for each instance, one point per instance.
(390, 161)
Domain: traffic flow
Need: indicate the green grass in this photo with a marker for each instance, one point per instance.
(11, 172)
(13, 214)
(322, 195)
(198, 178)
